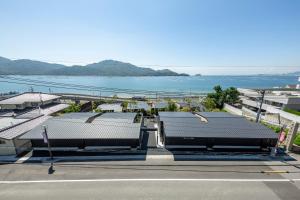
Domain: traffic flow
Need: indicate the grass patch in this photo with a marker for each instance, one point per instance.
(275, 128)
(297, 140)
(295, 112)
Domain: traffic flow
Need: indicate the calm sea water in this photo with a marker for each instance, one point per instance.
(171, 84)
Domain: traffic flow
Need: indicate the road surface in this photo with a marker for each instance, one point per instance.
(151, 180)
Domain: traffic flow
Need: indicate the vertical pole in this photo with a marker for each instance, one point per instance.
(260, 106)
(291, 136)
(48, 142)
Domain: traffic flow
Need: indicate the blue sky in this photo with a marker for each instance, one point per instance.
(193, 36)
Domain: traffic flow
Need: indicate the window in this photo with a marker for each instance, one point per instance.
(2, 142)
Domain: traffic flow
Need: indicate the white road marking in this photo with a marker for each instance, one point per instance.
(145, 180)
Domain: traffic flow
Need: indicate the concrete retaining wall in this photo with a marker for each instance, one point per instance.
(233, 110)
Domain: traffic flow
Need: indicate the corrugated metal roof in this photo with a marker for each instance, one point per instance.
(60, 129)
(176, 114)
(115, 117)
(29, 97)
(18, 130)
(54, 108)
(9, 121)
(189, 125)
(77, 117)
(127, 115)
(218, 115)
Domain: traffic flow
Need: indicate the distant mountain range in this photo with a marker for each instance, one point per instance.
(297, 73)
(103, 68)
(293, 73)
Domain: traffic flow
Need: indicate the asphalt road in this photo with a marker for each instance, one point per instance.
(150, 180)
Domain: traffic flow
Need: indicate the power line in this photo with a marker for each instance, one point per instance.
(88, 87)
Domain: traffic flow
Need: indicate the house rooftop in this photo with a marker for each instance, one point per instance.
(214, 125)
(28, 97)
(76, 127)
(23, 127)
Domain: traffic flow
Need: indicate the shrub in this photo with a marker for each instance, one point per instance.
(297, 140)
(73, 108)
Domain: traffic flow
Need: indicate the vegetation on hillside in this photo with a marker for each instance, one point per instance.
(103, 68)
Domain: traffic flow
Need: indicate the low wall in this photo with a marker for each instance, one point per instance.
(283, 114)
(233, 110)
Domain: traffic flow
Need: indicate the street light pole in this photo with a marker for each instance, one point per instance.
(46, 140)
(260, 106)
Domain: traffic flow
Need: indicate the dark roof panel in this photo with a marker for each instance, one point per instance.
(74, 126)
(190, 125)
(77, 117)
(218, 115)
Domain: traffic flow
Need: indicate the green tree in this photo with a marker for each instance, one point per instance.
(209, 104)
(219, 96)
(231, 95)
(124, 104)
(172, 106)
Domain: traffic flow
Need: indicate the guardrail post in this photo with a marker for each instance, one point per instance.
(291, 136)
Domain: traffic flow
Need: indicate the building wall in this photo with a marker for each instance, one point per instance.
(21, 145)
(233, 110)
(26, 105)
(12, 106)
(7, 147)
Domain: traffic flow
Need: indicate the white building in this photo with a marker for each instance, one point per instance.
(28, 100)
(277, 99)
(110, 107)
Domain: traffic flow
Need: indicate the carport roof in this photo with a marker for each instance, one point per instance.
(218, 125)
(104, 128)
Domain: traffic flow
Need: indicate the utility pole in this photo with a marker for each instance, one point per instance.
(260, 106)
(46, 140)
